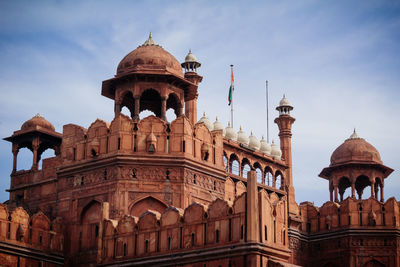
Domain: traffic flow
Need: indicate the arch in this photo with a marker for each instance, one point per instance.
(245, 167)
(129, 102)
(90, 219)
(268, 176)
(259, 172)
(374, 263)
(234, 166)
(279, 180)
(362, 182)
(174, 103)
(226, 161)
(344, 183)
(140, 206)
(151, 100)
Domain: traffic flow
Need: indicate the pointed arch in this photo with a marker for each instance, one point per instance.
(90, 220)
(141, 205)
(174, 103)
(151, 100)
(129, 102)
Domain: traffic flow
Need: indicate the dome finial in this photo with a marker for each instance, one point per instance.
(354, 135)
(149, 41)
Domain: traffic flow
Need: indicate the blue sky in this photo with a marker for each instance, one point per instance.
(338, 62)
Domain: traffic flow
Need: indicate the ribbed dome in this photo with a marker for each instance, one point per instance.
(242, 137)
(206, 122)
(147, 58)
(218, 126)
(230, 133)
(275, 151)
(253, 142)
(37, 120)
(355, 149)
(265, 146)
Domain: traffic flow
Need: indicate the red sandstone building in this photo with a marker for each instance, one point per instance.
(149, 192)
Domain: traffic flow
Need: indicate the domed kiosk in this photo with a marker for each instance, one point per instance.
(37, 134)
(150, 78)
(356, 164)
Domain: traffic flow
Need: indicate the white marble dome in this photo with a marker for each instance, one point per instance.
(265, 147)
(275, 151)
(253, 142)
(206, 122)
(242, 137)
(230, 133)
(218, 126)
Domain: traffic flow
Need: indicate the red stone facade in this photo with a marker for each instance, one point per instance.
(148, 192)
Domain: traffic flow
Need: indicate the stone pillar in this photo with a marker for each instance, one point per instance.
(382, 198)
(336, 192)
(164, 108)
(331, 193)
(117, 109)
(373, 190)
(252, 207)
(191, 110)
(353, 189)
(15, 150)
(137, 107)
(35, 147)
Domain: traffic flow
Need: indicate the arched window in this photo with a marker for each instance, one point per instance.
(234, 165)
(279, 182)
(245, 167)
(344, 188)
(361, 183)
(259, 172)
(268, 176)
(128, 104)
(173, 107)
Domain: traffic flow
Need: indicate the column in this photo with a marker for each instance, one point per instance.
(353, 189)
(137, 107)
(35, 147)
(15, 150)
(331, 193)
(382, 198)
(373, 189)
(336, 192)
(117, 109)
(164, 108)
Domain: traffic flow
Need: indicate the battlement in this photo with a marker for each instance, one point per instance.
(351, 213)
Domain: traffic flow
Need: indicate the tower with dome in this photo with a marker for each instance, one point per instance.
(140, 191)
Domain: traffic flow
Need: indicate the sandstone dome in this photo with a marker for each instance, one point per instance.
(148, 58)
(37, 120)
(355, 150)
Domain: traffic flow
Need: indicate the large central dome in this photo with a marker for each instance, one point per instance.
(148, 58)
(355, 149)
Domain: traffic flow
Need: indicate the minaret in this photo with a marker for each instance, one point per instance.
(284, 122)
(190, 66)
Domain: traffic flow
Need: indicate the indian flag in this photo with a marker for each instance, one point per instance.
(231, 88)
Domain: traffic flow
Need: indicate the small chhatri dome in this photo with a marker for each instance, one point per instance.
(284, 107)
(253, 142)
(190, 57)
(355, 150)
(206, 122)
(230, 133)
(275, 151)
(265, 147)
(191, 64)
(242, 137)
(218, 126)
(37, 121)
(149, 58)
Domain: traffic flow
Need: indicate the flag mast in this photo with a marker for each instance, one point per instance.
(231, 104)
(266, 95)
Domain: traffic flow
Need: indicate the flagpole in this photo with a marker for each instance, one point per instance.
(266, 95)
(232, 96)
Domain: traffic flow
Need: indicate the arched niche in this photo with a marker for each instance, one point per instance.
(90, 219)
(148, 203)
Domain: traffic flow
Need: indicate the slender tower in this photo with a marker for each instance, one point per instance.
(284, 122)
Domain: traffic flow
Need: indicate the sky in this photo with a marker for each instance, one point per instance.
(338, 63)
